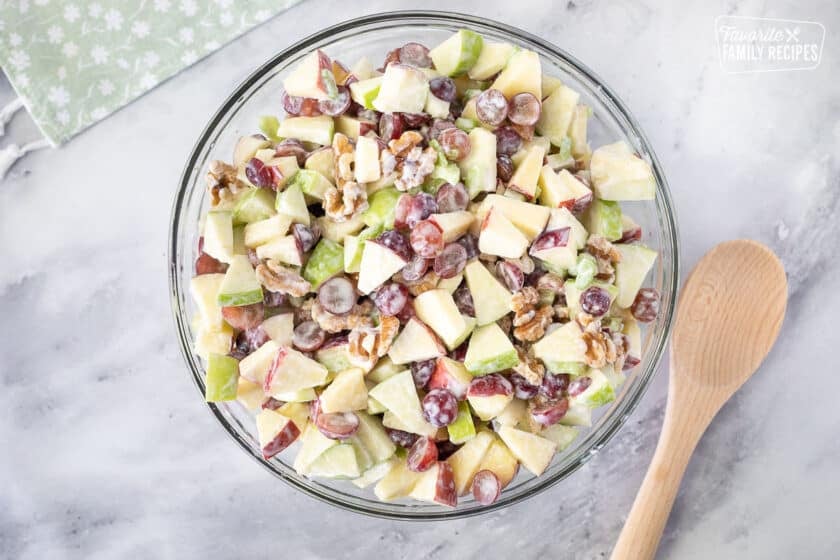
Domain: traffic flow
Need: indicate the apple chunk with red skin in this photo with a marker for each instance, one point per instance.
(382, 257)
(276, 432)
(312, 78)
(556, 249)
(292, 371)
(436, 485)
(451, 375)
(489, 395)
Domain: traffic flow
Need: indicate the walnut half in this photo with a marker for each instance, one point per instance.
(278, 278)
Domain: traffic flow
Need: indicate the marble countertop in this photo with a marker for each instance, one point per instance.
(108, 452)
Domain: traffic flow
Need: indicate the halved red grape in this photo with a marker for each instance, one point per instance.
(258, 174)
(306, 237)
(391, 298)
(422, 372)
(579, 385)
(445, 492)
(393, 56)
(522, 389)
(551, 239)
(491, 107)
(486, 487)
(422, 455)
(550, 413)
(470, 244)
(427, 239)
(423, 205)
(308, 336)
(508, 141)
(452, 198)
(396, 242)
(274, 299)
(402, 210)
(205, 264)
(490, 385)
(553, 385)
(415, 269)
(391, 126)
(455, 144)
(440, 407)
(511, 275)
(415, 54)
(292, 147)
(271, 404)
(526, 132)
(249, 340)
(292, 104)
(401, 438)
(464, 300)
(445, 449)
(337, 106)
(415, 120)
(407, 312)
(645, 307)
(438, 126)
(443, 88)
(337, 295)
(524, 109)
(504, 168)
(595, 301)
(337, 425)
(244, 317)
(310, 107)
(451, 261)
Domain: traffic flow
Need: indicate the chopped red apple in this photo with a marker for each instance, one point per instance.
(312, 78)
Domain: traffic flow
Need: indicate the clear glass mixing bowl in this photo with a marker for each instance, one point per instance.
(373, 36)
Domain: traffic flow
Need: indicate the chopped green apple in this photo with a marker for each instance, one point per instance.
(490, 298)
(458, 53)
(268, 126)
(240, 285)
(292, 371)
(467, 460)
(312, 77)
(352, 254)
(291, 203)
(522, 74)
(577, 415)
(530, 219)
(364, 92)
(561, 346)
(205, 292)
(280, 328)
(287, 167)
(491, 61)
(253, 206)
(558, 109)
(404, 89)
(478, 169)
(263, 231)
(489, 350)
(415, 343)
(284, 249)
(399, 395)
(437, 309)
(382, 205)
(619, 174)
(462, 429)
(246, 147)
(318, 130)
(630, 272)
(398, 483)
(524, 179)
(453, 224)
(221, 379)
(312, 184)
(366, 160)
(384, 369)
(599, 392)
(346, 393)
(326, 260)
(549, 85)
(378, 264)
(340, 461)
(337, 231)
(275, 432)
(500, 237)
(373, 438)
(561, 435)
(604, 218)
(375, 473)
(500, 461)
(254, 367)
(436, 108)
(534, 452)
(218, 235)
(313, 445)
(334, 357)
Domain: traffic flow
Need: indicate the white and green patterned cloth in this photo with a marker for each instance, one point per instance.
(73, 62)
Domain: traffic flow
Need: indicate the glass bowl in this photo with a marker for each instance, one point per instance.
(373, 36)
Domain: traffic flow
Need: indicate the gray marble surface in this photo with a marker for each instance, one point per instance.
(108, 452)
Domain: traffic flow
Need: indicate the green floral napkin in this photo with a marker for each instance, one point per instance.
(74, 62)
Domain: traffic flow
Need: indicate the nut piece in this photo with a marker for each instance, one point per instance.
(278, 278)
(553, 282)
(596, 349)
(405, 143)
(606, 255)
(343, 203)
(529, 367)
(416, 166)
(222, 183)
(368, 344)
(529, 321)
(357, 317)
(429, 281)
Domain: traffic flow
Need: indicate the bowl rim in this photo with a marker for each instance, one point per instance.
(445, 17)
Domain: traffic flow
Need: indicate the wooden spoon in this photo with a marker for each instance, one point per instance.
(728, 318)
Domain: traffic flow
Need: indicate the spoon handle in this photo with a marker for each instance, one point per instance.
(644, 526)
